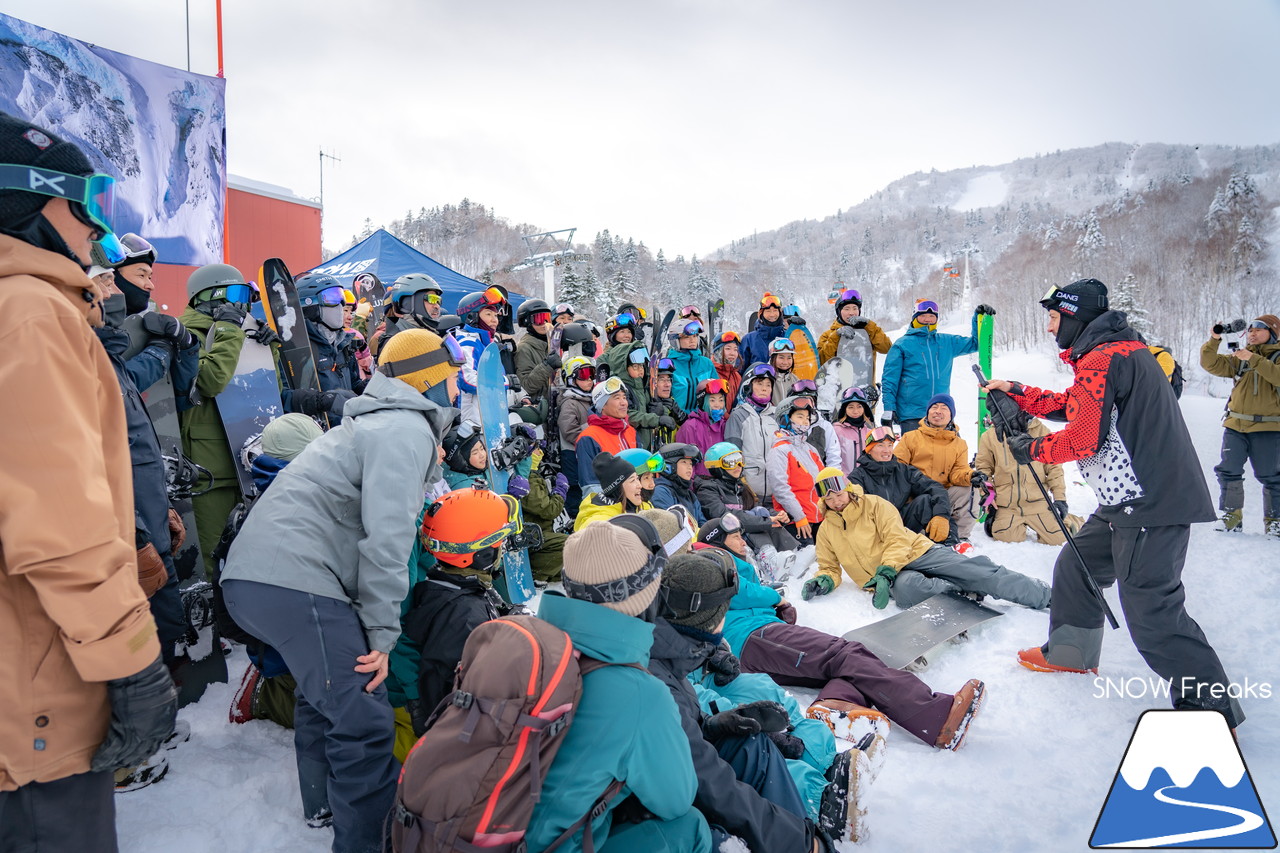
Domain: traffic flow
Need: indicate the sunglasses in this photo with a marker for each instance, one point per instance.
(450, 351)
(92, 199)
(781, 345)
(758, 370)
(878, 434)
(690, 311)
(844, 296)
(694, 328)
(770, 301)
(928, 306)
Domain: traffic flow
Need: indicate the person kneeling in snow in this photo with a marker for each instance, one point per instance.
(863, 535)
(857, 694)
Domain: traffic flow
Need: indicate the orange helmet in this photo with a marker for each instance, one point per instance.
(465, 523)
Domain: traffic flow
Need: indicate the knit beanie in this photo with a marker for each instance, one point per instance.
(1273, 323)
(704, 572)
(611, 472)
(411, 343)
(603, 555)
(675, 535)
(24, 144)
(946, 400)
(285, 436)
(1085, 300)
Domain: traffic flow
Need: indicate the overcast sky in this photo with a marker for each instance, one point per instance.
(687, 123)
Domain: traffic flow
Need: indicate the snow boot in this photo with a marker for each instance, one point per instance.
(246, 695)
(1231, 521)
(321, 819)
(181, 734)
(147, 773)
(1034, 660)
(965, 706)
(848, 720)
(843, 811)
(777, 566)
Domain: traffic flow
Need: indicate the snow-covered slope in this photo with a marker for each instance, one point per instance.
(1032, 775)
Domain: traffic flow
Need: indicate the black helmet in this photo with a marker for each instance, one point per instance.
(448, 323)
(470, 306)
(575, 333)
(309, 287)
(528, 308)
(457, 446)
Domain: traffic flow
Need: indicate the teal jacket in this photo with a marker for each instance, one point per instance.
(402, 664)
(919, 366)
(751, 609)
(691, 367)
(626, 727)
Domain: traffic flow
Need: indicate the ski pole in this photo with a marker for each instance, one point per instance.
(1062, 525)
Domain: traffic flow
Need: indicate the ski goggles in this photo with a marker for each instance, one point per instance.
(495, 295)
(240, 294)
(611, 386)
(927, 306)
(563, 308)
(675, 452)
(838, 296)
(781, 345)
(136, 247)
(652, 465)
(791, 311)
(450, 352)
(770, 301)
(621, 589)
(713, 386)
(585, 372)
(511, 528)
(830, 485)
(1259, 326)
(540, 318)
(853, 394)
(732, 459)
(639, 355)
(805, 386)
(624, 320)
(666, 365)
(802, 403)
(331, 296)
(693, 328)
(757, 370)
(690, 311)
(729, 338)
(880, 433)
(91, 197)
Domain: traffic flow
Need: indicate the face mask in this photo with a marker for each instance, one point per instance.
(716, 415)
(135, 298)
(438, 394)
(1069, 329)
(331, 317)
(114, 310)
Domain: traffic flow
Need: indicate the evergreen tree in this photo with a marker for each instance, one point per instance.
(1092, 241)
(1126, 296)
(573, 289)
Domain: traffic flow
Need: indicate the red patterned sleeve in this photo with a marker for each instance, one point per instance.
(1083, 404)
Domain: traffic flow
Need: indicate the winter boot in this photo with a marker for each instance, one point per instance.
(965, 706)
(147, 773)
(1231, 521)
(242, 703)
(776, 566)
(321, 819)
(847, 720)
(843, 811)
(1034, 660)
(181, 734)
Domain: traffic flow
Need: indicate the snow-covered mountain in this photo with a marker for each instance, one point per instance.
(1183, 744)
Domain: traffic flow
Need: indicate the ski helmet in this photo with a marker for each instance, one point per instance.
(842, 298)
(322, 298)
(634, 310)
(136, 251)
(470, 306)
(465, 527)
(577, 334)
(411, 292)
(561, 309)
(724, 339)
(852, 394)
(530, 307)
(723, 454)
(830, 480)
(215, 281)
(448, 323)
(707, 387)
(621, 321)
(577, 363)
(789, 406)
(675, 451)
(642, 460)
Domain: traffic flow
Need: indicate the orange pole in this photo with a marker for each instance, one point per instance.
(219, 16)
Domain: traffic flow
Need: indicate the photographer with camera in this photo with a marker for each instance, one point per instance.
(1252, 420)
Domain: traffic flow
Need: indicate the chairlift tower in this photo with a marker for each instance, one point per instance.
(966, 297)
(547, 250)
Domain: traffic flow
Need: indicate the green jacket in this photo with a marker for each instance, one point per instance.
(540, 506)
(204, 441)
(639, 415)
(531, 367)
(1257, 389)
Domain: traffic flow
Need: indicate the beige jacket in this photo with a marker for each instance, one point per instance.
(865, 535)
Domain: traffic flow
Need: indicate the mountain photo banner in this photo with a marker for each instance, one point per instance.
(159, 131)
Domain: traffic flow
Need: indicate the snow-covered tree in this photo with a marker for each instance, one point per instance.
(1126, 296)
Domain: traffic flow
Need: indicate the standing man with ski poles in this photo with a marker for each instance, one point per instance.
(1125, 430)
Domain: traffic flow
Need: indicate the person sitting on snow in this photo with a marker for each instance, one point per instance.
(863, 535)
(922, 504)
(857, 694)
(1019, 504)
(675, 481)
(937, 449)
(625, 483)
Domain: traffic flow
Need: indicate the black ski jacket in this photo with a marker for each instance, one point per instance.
(899, 484)
(719, 495)
(722, 798)
(446, 609)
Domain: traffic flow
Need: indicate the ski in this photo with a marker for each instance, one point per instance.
(284, 313)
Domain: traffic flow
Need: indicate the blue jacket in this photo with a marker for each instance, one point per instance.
(474, 340)
(336, 366)
(691, 367)
(751, 609)
(625, 727)
(919, 366)
(755, 346)
(667, 492)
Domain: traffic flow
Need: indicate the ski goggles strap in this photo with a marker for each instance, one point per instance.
(450, 351)
(625, 587)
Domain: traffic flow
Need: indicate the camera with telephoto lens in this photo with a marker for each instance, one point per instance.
(1229, 328)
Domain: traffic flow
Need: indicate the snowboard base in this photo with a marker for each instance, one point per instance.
(904, 638)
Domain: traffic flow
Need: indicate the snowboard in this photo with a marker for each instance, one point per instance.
(369, 287)
(206, 662)
(806, 366)
(715, 318)
(907, 639)
(984, 361)
(834, 376)
(860, 355)
(515, 583)
(656, 348)
(284, 313)
(248, 403)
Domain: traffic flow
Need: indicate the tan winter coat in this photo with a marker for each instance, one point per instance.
(72, 615)
(940, 453)
(1257, 388)
(1015, 487)
(865, 535)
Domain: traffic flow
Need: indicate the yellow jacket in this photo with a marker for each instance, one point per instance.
(865, 535)
(593, 508)
(939, 453)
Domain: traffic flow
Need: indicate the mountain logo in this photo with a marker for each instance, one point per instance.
(1183, 783)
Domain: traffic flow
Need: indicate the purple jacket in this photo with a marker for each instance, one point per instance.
(699, 431)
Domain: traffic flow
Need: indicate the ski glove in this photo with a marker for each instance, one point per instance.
(1006, 416)
(517, 487)
(820, 585)
(881, 582)
(786, 611)
(985, 309)
(848, 332)
(166, 327)
(729, 724)
(1061, 507)
(859, 322)
(938, 528)
(561, 487)
(143, 708)
(886, 419)
(666, 422)
(177, 531)
(152, 573)
(265, 335)
(977, 479)
(791, 747)
(1020, 447)
(553, 361)
(228, 312)
(797, 321)
(770, 716)
(723, 665)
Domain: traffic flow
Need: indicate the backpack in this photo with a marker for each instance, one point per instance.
(472, 780)
(1172, 370)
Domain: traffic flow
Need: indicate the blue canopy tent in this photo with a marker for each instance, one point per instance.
(389, 257)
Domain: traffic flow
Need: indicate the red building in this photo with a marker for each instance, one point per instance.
(263, 221)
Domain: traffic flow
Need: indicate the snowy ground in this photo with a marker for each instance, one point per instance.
(1032, 775)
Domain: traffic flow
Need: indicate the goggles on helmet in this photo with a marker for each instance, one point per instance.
(639, 355)
(928, 306)
(831, 484)
(729, 338)
(511, 528)
(623, 588)
(240, 294)
(758, 370)
(837, 296)
(612, 385)
(331, 296)
(853, 394)
(791, 311)
(802, 403)
(563, 308)
(583, 372)
(781, 345)
(666, 365)
(450, 351)
(805, 386)
(880, 433)
(690, 311)
(652, 465)
(495, 296)
(692, 328)
(714, 386)
(732, 459)
(136, 247)
(91, 197)
(769, 301)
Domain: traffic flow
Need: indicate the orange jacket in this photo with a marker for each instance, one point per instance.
(72, 615)
(940, 453)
